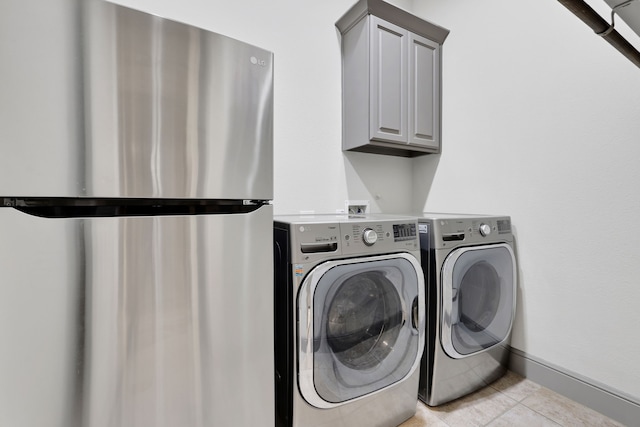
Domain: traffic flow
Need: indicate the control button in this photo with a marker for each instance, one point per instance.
(485, 230)
(369, 236)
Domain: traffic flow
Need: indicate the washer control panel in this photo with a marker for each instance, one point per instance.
(353, 237)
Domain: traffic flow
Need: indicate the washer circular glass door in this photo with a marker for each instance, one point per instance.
(360, 327)
(478, 298)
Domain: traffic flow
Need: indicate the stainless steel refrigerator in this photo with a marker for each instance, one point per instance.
(136, 224)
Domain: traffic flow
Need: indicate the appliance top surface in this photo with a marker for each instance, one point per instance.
(445, 215)
(133, 10)
(339, 218)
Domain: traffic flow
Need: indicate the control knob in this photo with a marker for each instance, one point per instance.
(369, 236)
(485, 230)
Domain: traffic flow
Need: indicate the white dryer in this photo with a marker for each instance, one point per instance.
(349, 325)
(470, 279)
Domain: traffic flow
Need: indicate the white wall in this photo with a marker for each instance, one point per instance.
(541, 121)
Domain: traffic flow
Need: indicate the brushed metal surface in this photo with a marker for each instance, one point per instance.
(145, 321)
(100, 100)
(446, 378)
(385, 407)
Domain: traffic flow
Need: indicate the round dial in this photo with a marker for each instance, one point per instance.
(485, 229)
(369, 237)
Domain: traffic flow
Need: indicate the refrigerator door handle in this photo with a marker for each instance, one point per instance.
(69, 207)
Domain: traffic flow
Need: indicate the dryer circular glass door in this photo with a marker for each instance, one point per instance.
(361, 327)
(478, 298)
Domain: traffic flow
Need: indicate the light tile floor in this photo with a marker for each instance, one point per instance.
(511, 401)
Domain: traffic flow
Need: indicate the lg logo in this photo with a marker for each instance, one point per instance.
(256, 61)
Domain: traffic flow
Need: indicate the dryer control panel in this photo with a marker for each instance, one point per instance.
(452, 231)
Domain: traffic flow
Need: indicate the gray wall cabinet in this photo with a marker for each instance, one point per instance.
(390, 80)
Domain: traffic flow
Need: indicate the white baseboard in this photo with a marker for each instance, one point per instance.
(612, 403)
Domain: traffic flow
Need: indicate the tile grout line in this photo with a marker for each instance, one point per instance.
(517, 403)
(518, 395)
(505, 411)
(521, 403)
(541, 414)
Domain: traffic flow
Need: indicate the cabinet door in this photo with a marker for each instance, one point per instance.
(388, 109)
(424, 92)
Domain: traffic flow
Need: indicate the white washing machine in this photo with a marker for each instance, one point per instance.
(349, 325)
(470, 280)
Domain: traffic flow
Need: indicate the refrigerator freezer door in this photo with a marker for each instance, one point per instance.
(100, 100)
(136, 321)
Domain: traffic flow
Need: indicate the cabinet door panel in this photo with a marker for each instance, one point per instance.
(424, 92)
(388, 114)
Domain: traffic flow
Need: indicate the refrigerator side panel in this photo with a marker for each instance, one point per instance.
(41, 321)
(159, 321)
(41, 106)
